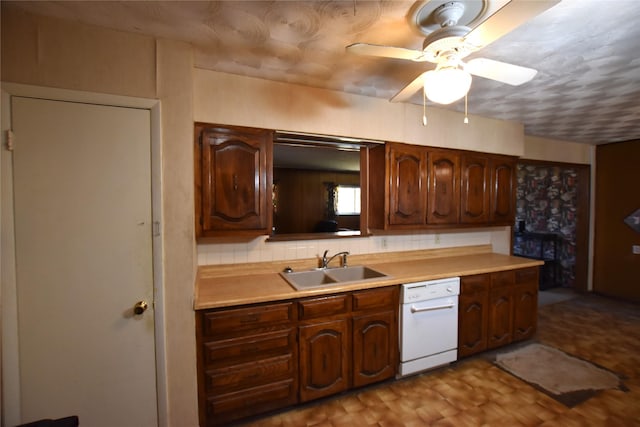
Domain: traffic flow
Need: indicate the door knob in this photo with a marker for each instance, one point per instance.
(140, 307)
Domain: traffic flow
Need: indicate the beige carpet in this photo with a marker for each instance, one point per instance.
(557, 373)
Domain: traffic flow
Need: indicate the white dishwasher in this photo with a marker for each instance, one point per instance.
(428, 324)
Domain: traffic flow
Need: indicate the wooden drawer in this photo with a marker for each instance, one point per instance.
(500, 279)
(241, 319)
(475, 283)
(249, 374)
(223, 408)
(375, 298)
(323, 306)
(248, 347)
(527, 275)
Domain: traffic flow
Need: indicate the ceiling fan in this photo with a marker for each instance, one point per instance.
(448, 41)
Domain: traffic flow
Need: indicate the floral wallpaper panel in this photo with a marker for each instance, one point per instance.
(546, 203)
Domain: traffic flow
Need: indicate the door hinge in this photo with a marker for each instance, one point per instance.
(156, 228)
(10, 140)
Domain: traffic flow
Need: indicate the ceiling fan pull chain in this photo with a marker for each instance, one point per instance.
(424, 108)
(466, 119)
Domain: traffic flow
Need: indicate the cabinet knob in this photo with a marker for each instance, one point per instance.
(140, 307)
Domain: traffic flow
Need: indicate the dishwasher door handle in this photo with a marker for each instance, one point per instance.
(437, 307)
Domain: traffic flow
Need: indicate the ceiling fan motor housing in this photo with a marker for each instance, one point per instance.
(446, 41)
(449, 13)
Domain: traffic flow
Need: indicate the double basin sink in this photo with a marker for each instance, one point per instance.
(327, 277)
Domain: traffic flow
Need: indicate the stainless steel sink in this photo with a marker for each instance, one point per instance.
(308, 279)
(350, 274)
(331, 277)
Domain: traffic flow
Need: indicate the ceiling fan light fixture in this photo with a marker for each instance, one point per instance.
(446, 85)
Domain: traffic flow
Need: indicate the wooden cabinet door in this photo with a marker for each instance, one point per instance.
(473, 314)
(374, 348)
(500, 317)
(443, 205)
(407, 185)
(502, 209)
(474, 195)
(525, 303)
(234, 182)
(525, 311)
(324, 359)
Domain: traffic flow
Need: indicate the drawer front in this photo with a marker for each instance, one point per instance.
(223, 408)
(249, 374)
(324, 306)
(501, 279)
(250, 346)
(527, 275)
(475, 283)
(375, 298)
(234, 320)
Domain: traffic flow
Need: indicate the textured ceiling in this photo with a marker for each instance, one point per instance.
(587, 53)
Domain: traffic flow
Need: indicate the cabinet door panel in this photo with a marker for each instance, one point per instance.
(230, 321)
(503, 192)
(324, 359)
(472, 323)
(248, 347)
(443, 205)
(500, 317)
(233, 181)
(474, 200)
(374, 348)
(223, 408)
(375, 298)
(525, 311)
(253, 372)
(407, 186)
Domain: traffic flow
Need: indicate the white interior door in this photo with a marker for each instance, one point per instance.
(82, 197)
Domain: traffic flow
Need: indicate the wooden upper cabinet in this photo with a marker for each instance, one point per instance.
(443, 205)
(233, 180)
(407, 184)
(424, 187)
(503, 187)
(474, 194)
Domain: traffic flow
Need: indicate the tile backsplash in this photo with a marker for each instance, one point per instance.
(259, 250)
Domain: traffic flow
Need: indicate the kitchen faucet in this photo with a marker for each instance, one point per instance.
(325, 261)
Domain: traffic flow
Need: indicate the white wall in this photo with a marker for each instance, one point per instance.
(236, 100)
(555, 150)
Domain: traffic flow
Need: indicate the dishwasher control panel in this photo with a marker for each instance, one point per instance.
(430, 289)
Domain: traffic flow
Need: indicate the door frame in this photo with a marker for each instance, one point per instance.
(9, 372)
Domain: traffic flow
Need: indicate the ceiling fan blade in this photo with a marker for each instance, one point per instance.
(514, 75)
(509, 17)
(386, 51)
(409, 90)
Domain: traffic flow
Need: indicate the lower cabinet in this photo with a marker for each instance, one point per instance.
(324, 341)
(263, 357)
(525, 303)
(473, 314)
(346, 341)
(497, 309)
(375, 335)
(247, 361)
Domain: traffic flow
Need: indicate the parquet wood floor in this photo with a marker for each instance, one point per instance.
(473, 392)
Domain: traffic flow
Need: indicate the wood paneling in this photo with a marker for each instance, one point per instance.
(617, 193)
(302, 199)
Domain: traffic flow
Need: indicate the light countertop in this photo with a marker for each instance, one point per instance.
(247, 284)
